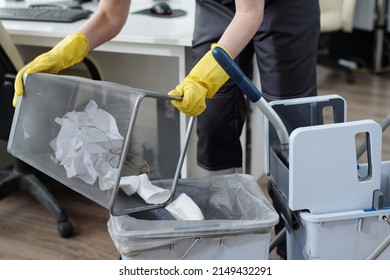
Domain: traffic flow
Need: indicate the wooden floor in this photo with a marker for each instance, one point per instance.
(27, 231)
(367, 98)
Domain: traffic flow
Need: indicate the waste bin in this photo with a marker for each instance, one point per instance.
(237, 225)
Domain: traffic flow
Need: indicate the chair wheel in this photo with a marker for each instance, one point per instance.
(65, 229)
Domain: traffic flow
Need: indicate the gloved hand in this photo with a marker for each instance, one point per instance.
(71, 50)
(203, 81)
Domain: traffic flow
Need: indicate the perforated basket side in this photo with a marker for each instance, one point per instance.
(48, 97)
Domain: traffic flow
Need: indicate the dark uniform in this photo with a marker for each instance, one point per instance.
(286, 50)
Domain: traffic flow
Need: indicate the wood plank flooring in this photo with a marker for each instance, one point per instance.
(367, 98)
(27, 230)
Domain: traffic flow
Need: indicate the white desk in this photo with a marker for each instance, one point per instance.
(142, 34)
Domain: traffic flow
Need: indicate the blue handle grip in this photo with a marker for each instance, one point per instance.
(236, 74)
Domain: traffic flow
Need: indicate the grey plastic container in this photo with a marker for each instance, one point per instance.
(349, 235)
(237, 225)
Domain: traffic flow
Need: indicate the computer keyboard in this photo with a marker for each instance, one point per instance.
(44, 14)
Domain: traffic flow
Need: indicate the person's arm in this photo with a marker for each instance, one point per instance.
(102, 26)
(106, 22)
(207, 77)
(245, 23)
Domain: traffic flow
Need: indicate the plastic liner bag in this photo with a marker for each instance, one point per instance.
(231, 205)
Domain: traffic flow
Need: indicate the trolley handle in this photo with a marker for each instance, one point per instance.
(254, 95)
(236, 74)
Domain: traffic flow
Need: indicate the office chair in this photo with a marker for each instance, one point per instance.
(337, 16)
(21, 176)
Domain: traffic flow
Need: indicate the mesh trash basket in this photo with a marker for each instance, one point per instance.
(88, 134)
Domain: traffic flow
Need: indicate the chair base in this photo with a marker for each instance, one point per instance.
(14, 180)
(334, 64)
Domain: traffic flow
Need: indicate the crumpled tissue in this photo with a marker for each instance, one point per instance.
(88, 145)
(146, 190)
(129, 184)
(184, 208)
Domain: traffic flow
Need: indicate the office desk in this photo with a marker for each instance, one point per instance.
(141, 34)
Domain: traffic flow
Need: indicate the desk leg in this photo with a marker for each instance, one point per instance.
(379, 35)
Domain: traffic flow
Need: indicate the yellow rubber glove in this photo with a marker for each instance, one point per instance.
(203, 81)
(71, 50)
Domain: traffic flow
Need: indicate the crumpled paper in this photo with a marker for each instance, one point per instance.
(146, 190)
(129, 184)
(88, 145)
(184, 208)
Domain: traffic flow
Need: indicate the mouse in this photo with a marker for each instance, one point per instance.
(161, 9)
